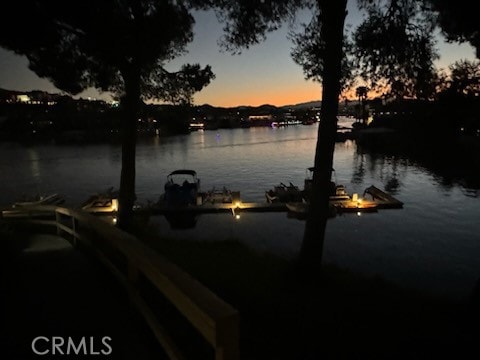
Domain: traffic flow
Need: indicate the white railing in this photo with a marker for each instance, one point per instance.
(215, 320)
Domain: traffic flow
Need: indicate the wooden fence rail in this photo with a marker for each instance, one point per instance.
(215, 320)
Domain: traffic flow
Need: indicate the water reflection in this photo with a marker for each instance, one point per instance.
(392, 185)
(34, 163)
(359, 167)
(471, 192)
(451, 162)
(388, 169)
(182, 221)
(433, 242)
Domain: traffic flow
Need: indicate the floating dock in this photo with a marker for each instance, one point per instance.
(208, 208)
(382, 199)
(385, 202)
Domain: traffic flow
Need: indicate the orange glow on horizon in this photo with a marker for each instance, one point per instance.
(272, 96)
(278, 96)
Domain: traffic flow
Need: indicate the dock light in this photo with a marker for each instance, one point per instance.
(237, 217)
(114, 220)
(114, 204)
(359, 213)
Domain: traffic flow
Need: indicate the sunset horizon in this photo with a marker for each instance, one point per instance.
(262, 74)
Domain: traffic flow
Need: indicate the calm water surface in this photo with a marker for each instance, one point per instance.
(433, 243)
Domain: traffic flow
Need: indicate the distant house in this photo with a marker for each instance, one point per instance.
(260, 117)
(23, 98)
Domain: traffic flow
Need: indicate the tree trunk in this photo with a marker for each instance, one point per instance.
(130, 105)
(332, 18)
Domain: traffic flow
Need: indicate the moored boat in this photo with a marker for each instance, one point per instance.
(223, 196)
(284, 193)
(52, 199)
(182, 188)
(336, 192)
(27, 207)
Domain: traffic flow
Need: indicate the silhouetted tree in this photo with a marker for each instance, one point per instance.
(119, 46)
(309, 52)
(409, 58)
(362, 93)
(458, 21)
(465, 78)
(397, 89)
(246, 23)
(395, 45)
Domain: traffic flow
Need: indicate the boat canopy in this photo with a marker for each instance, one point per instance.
(183, 172)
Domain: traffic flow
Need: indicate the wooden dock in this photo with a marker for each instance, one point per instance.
(382, 199)
(208, 208)
(379, 197)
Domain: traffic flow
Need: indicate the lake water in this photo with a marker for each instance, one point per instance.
(432, 243)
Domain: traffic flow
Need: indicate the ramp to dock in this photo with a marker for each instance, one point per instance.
(383, 200)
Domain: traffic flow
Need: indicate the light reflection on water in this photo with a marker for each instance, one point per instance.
(432, 243)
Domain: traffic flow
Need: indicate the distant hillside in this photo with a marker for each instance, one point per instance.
(305, 105)
(266, 108)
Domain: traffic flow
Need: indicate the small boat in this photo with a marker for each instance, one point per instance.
(105, 202)
(291, 193)
(182, 188)
(53, 199)
(26, 207)
(224, 196)
(337, 192)
(283, 193)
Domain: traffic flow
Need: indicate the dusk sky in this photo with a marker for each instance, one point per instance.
(262, 74)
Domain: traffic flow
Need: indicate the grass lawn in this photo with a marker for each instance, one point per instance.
(335, 314)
